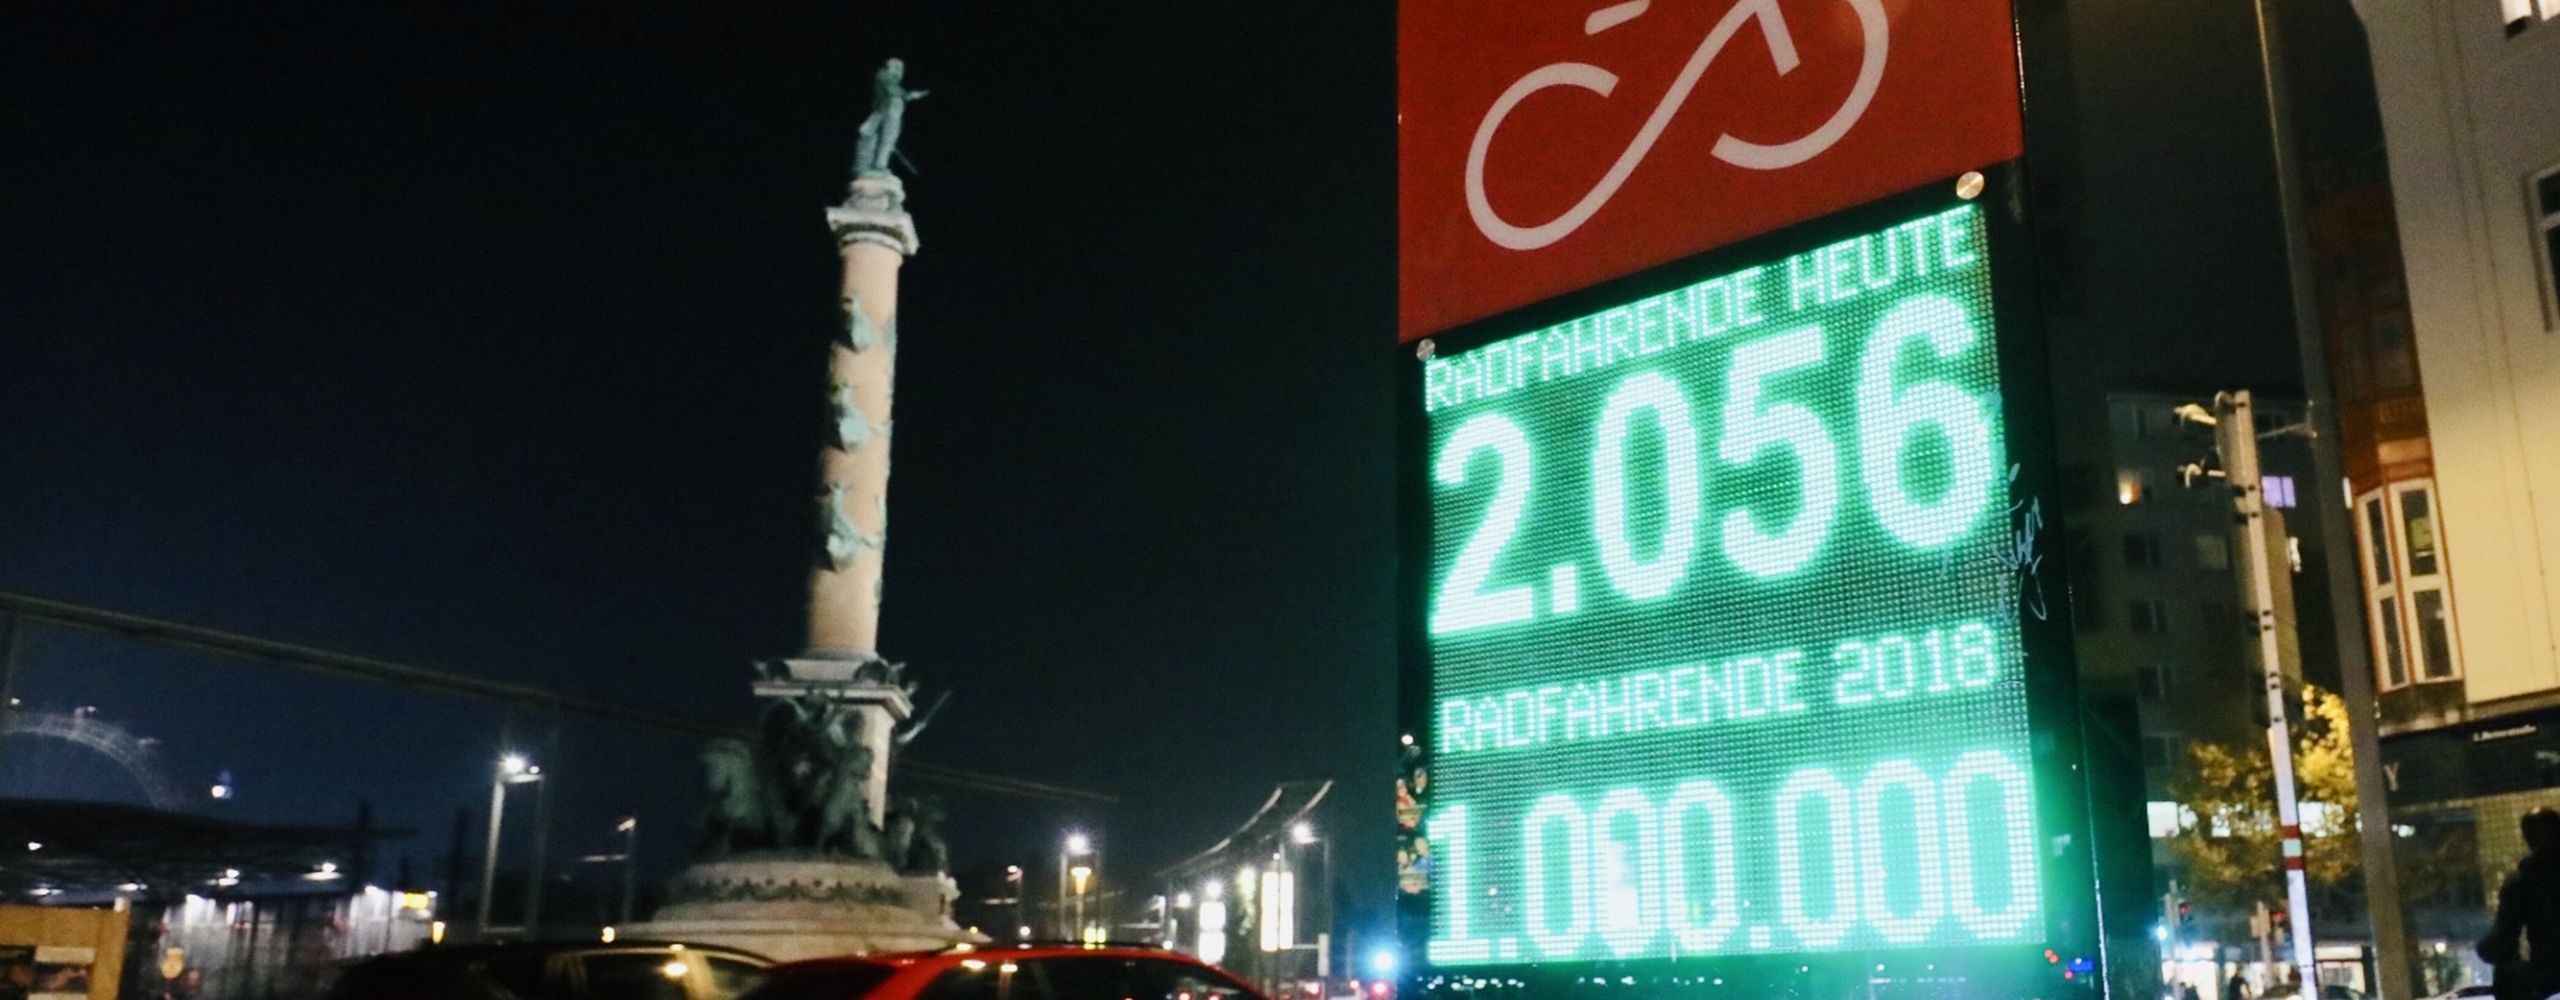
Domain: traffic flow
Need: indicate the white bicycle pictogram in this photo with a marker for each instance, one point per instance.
(1729, 148)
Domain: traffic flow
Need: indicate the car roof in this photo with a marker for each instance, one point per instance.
(517, 949)
(956, 956)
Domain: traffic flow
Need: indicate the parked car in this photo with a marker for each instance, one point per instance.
(1031, 972)
(628, 970)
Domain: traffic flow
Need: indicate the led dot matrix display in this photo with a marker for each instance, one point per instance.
(1723, 620)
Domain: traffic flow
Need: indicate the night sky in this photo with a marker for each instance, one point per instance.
(493, 341)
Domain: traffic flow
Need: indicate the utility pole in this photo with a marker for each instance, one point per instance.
(2394, 957)
(2236, 434)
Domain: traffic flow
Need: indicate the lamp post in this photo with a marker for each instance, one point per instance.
(1084, 877)
(630, 830)
(513, 769)
(1077, 845)
(1014, 880)
(1302, 834)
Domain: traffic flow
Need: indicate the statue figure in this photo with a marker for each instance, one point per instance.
(844, 814)
(737, 818)
(850, 428)
(843, 540)
(859, 334)
(878, 139)
(795, 766)
(927, 854)
(897, 839)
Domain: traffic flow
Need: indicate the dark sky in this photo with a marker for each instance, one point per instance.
(492, 339)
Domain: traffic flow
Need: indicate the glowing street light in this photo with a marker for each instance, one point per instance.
(1301, 833)
(1083, 874)
(1078, 844)
(513, 769)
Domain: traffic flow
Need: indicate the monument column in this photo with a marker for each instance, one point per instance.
(874, 234)
(800, 853)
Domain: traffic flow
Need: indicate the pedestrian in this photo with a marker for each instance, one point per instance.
(2188, 992)
(2523, 946)
(2236, 989)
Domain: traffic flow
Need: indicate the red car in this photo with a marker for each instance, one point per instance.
(1028, 972)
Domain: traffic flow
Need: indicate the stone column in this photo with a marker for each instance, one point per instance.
(875, 234)
(842, 661)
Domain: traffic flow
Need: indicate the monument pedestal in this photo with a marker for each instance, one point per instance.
(788, 908)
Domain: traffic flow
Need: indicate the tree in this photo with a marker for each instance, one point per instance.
(2233, 849)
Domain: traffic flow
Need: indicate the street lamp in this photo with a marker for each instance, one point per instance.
(1078, 844)
(513, 769)
(630, 830)
(1013, 881)
(1302, 834)
(1083, 874)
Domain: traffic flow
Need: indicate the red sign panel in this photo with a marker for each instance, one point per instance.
(1547, 146)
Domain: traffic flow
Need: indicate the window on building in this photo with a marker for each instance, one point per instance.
(2217, 619)
(2133, 486)
(2169, 819)
(2278, 490)
(2213, 552)
(2131, 422)
(2418, 531)
(2141, 550)
(2378, 540)
(2159, 752)
(2153, 679)
(2395, 656)
(2435, 636)
(2148, 615)
(2546, 202)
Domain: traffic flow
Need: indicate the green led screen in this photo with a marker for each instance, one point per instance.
(1723, 624)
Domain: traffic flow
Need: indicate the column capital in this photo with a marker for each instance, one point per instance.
(875, 212)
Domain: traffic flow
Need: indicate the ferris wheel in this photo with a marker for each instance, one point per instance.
(138, 756)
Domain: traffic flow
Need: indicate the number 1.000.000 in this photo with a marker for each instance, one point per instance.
(1905, 855)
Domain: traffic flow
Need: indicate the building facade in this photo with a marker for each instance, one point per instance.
(2463, 574)
(2445, 345)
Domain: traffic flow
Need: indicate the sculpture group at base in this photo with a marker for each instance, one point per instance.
(800, 788)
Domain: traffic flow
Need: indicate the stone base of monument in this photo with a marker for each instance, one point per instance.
(788, 907)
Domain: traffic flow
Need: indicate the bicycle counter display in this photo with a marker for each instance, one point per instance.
(1722, 615)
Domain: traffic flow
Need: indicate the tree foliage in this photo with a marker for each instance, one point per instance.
(2233, 850)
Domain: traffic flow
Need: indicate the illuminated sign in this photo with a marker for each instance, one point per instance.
(1723, 618)
(1544, 147)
